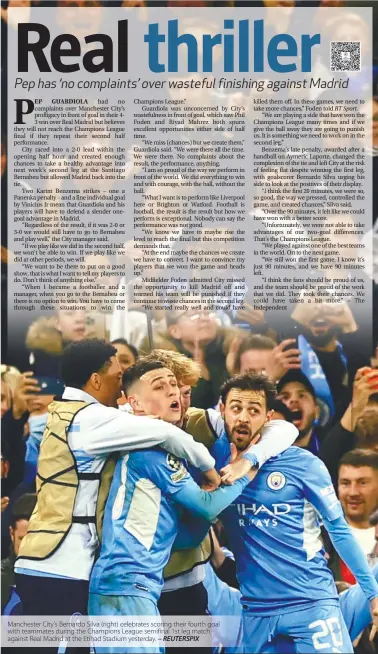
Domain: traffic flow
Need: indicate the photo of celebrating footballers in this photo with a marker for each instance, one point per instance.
(126, 499)
(192, 462)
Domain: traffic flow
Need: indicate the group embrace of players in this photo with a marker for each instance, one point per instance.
(162, 490)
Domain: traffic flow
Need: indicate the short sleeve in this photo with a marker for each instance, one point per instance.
(319, 490)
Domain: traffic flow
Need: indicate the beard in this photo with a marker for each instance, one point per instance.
(320, 340)
(244, 444)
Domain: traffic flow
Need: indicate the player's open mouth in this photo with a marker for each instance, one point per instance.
(175, 405)
(242, 431)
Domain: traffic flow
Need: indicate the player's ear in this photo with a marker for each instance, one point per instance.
(95, 380)
(221, 409)
(269, 416)
(174, 331)
(135, 405)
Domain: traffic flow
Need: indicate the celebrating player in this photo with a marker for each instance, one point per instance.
(83, 428)
(288, 593)
(142, 515)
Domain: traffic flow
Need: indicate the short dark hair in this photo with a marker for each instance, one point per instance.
(23, 507)
(123, 341)
(250, 381)
(135, 372)
(359, 458)
(298, 377)
(80, 360)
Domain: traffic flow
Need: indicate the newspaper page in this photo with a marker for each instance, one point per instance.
(195, 179)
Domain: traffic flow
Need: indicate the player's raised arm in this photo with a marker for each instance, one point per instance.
(276, 437)
(191, 532)
(245, 408)
(117, 431)
(209, 504)
(173, 479)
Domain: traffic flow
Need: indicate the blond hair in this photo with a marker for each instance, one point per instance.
(186, 371)
(10, 375)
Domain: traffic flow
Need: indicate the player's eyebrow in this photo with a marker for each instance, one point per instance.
(250, 403)
(171, 376)
(156, 379)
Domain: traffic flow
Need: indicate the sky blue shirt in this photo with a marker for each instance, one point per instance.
(274, 533)
(145, 515)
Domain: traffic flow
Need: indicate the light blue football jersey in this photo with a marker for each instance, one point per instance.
(273, 531)
(140, 524)
(145, 515)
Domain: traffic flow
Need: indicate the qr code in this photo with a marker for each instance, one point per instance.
(345, 55)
